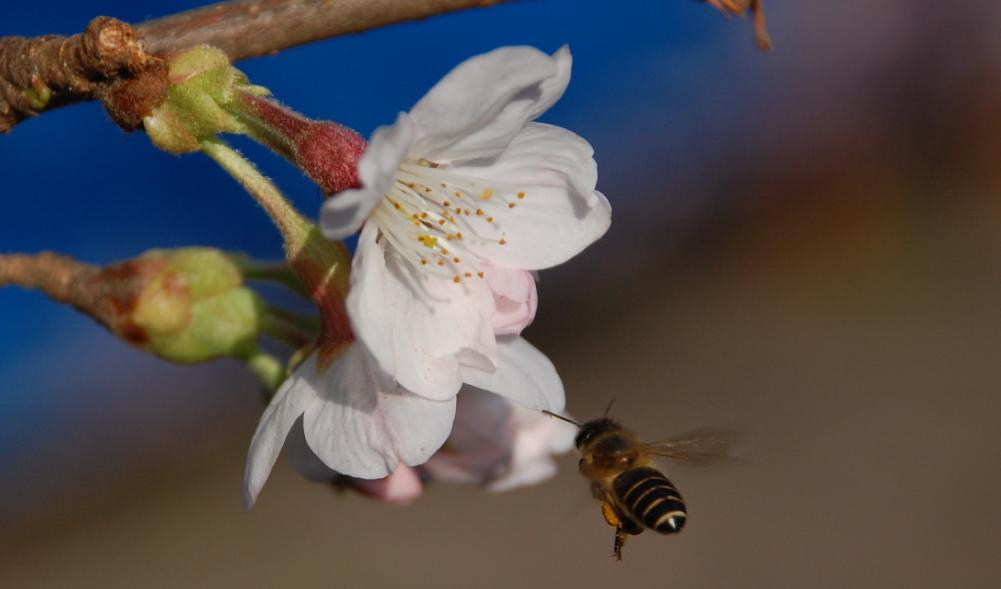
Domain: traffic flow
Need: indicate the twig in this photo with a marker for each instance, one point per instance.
(248, 28)
(108, 294)
(45, 72)
(121, 66)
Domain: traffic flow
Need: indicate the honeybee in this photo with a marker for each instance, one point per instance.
(634, 493)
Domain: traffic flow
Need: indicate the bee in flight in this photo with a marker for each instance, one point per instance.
(634, 493)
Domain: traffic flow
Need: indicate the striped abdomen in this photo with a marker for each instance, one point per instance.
(651, 499)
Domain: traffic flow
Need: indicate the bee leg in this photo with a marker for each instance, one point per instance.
(613, 519)
(620, 539)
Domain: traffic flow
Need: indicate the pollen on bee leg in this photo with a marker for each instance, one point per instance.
(611, 517)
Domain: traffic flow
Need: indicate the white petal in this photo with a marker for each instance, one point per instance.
(365, 424)
(415, 324)
(342, 214)
(478, 107)
(523, 375)
(561, 212)
(515, 299)
(288, 404)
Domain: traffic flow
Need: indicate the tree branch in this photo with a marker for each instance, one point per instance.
(119, 65)
(106, 294)
(249, 28)
(46, 72)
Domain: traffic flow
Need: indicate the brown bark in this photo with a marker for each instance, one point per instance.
(108, 294)
(120, 65)
(248, 28)
(44, 72)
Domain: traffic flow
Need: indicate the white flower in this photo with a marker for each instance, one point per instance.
(461, 198)
(499, 445)
(359, 422)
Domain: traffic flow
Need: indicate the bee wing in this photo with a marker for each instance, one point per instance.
(702, 447)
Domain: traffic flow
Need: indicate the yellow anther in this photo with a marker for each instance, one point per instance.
(521, 195)
(486, 194)
(428, 241)
(456, 279)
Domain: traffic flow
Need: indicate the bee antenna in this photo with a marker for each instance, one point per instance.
(609, 408)
(558, 416)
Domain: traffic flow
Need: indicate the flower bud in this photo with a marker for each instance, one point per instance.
(196, 307)
(202, 83)
(327, 152)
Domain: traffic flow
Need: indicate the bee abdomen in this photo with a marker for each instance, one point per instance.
(651, 499)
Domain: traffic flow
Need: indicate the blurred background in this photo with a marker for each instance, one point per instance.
(806, 247)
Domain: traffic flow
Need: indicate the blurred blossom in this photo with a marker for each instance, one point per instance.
(499, 445)
(494, 443)
(360, 422)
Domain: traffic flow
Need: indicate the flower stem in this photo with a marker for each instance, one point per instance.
(321, 265)
(304, 322)
(268, 369)
(290, 223)
(277, 272)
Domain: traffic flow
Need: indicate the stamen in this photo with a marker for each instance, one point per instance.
(431, 219)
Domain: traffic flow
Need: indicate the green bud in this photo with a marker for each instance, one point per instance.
(197, 308)
(202, 84)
